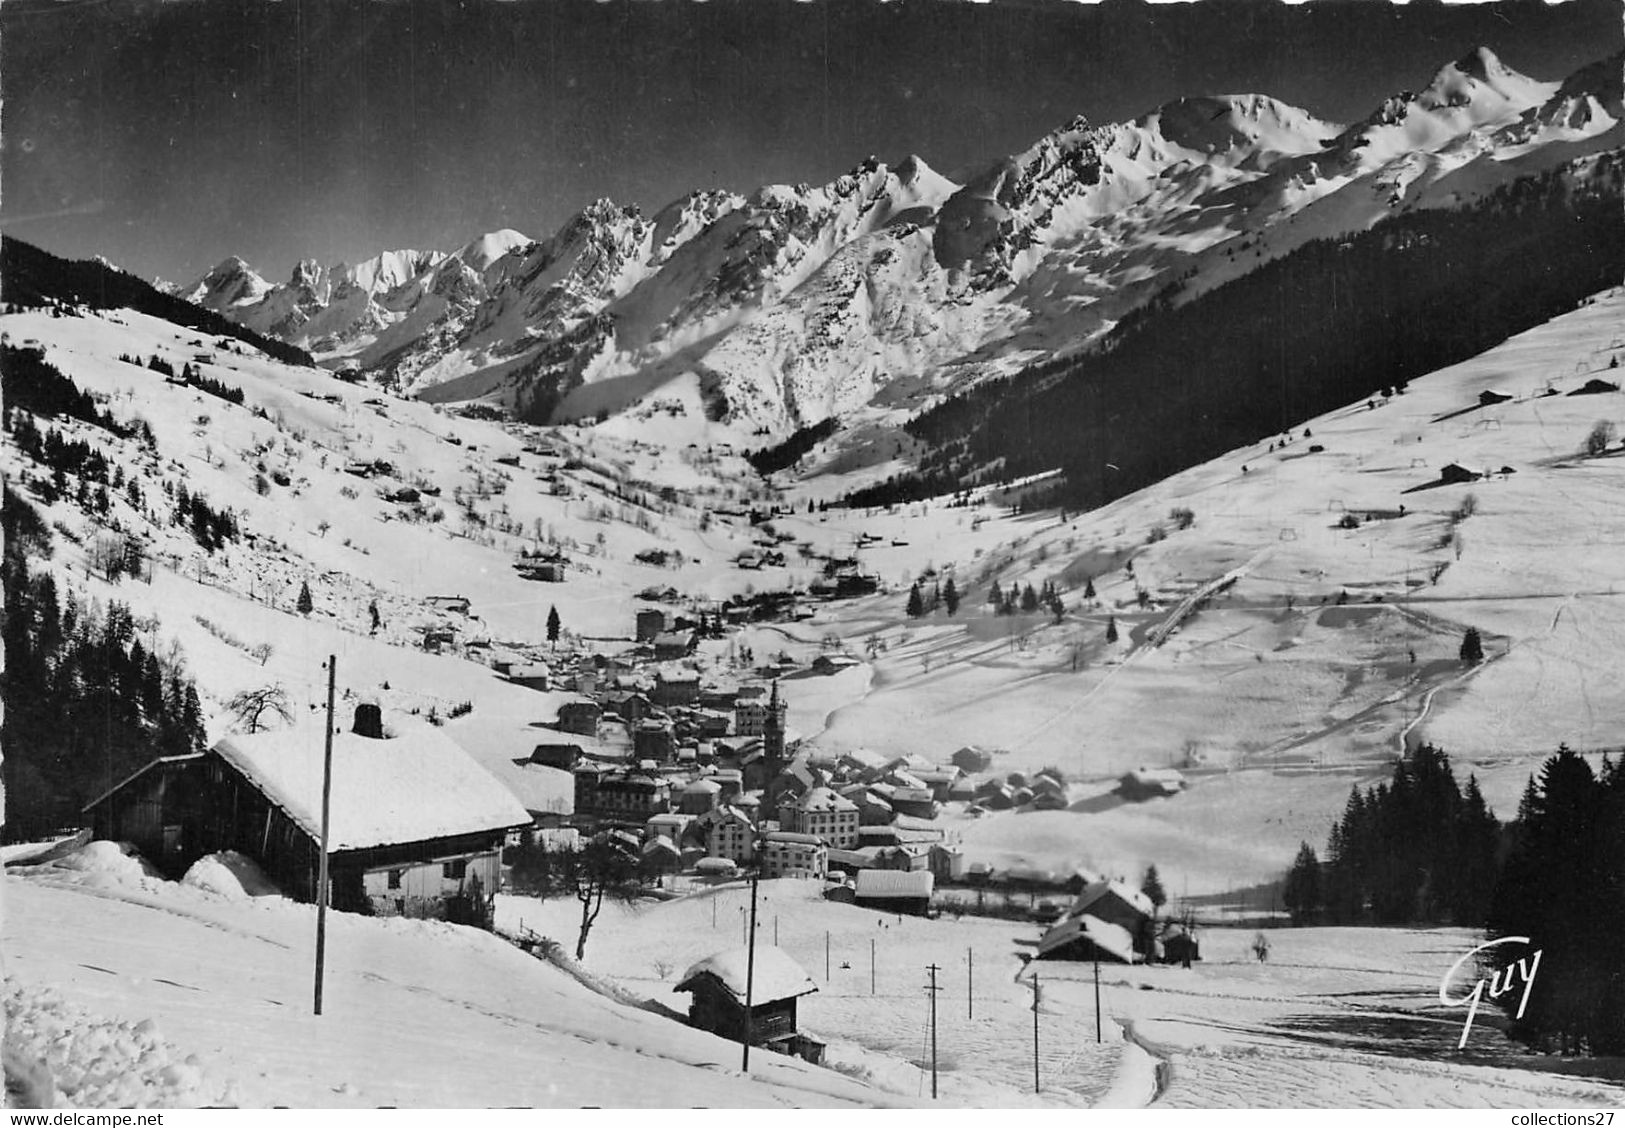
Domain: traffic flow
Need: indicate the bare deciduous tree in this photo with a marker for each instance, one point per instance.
(251, 705)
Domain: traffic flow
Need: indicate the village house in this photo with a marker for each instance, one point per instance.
(654, 740)
(561, 756)
(700, 796)
(750, 717)
(1150, 783)
(1178, 945)
(417, 827)
(873, 809)
(824, 815)
(672, 645)
(652, 622)
(676, 685)
(786, 854)
(456, 604)
(1109, 920)
(620, 796)
(672, 825)
(630, 706)
(895, 891)
(659, 857)
(531, 675)
(579, 717)
(1086, 937)
(439, 639)
(947, 863)
(719, 986)
(915, 802)
(729, 834)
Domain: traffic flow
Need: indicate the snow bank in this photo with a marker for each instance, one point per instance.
(66, 1057)
(231, 875)
(117, 862)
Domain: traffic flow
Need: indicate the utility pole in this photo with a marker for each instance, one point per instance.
(1097, 998)
(871, 965)
(750, 971)
(826, 955)
(321, 875)
(1035, 1030)
(932, 990)
(970, 983)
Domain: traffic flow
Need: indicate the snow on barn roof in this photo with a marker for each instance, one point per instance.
(1094, 893)
(416, 786)
(776, 976)
(895, 883)
(1112, 939)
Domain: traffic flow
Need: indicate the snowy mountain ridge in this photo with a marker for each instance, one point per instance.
(877, 292)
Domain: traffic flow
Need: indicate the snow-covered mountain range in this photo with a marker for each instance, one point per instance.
(892, 284)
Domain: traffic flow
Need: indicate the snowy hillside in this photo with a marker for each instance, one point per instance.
(872, 295)
(140, 992)
(1289, 617)
(1279, 643)
(1312, 1026)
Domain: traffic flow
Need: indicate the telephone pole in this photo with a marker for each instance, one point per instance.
(1097, 999)
(970, 983)
(1035, 1030)
(750, 970)
(932, 991)
(321, 876)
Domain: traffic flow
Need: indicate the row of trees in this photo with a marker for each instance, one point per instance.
(86, 701)
(1562, 884)
(1419, 848)
(1422, 850)
(1023, 599)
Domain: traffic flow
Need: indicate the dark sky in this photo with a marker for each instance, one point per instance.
(166, 136)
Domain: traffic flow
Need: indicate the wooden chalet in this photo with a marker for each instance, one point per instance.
(417, 826)
(718, 984)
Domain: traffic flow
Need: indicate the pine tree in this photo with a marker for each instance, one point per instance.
(1563, 886)
(1472, 647)
(1029, 599)
(1089, 588)
(916, 604)
(305, 604)
(1301, 894)
(1151, 886)
(1111, 629)
(950, 596)
(372, 610)
(553, 625)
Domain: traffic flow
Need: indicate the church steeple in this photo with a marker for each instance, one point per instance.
(773, 732)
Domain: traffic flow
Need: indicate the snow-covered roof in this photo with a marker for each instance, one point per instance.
(1166, 778)
(416, 786)
(823, 799)
(1110, 938)
(703, 787)
(895, 883)
(1092, 894)
(776, 976)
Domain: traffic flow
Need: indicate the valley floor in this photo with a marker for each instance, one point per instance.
(1336, 1016)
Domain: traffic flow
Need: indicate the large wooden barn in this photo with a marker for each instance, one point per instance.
(417, 826)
